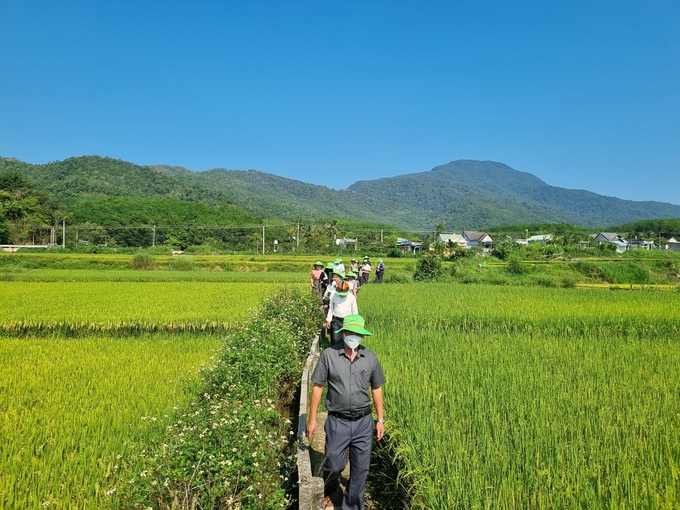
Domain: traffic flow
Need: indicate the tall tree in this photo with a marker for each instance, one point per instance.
(332, 229)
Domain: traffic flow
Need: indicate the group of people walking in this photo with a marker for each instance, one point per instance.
(337, 289)
(353, 375)
(321, 277)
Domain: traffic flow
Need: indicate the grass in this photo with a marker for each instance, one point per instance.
(123, 308)
(509, 398)
(74, 411)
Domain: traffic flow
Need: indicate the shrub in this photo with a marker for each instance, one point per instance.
(588, 269)
(515, 266)
(470, 278)
(182, 263)
(141, 261)
(625, 272)
(545, 280)
(428, 268)
(231, 446)
(568, 281)
(504, 249)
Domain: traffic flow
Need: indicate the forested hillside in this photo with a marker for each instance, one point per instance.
(94, 176)
(471, 194)
(119, 211)
(460, 195)
(26, 214)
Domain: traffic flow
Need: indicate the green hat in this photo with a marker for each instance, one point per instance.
(341, 274)
(329, 265)
(318, 263)
(343, 288)
(355, 324)
(379, 260)
(351, 273)
(338, 261)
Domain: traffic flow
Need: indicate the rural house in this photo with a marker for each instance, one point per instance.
(541, 238)
(672, 244)
(344, 241)
(455, 239)
(406, 245)
(642, 244)
(611, 237)
(474, 238)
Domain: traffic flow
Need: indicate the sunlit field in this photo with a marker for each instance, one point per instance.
(71, 411)
(89, 373)
(126, 307)
(531, 398)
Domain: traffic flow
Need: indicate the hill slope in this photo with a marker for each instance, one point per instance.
(465, 194)
(462, 194)
(96, 177)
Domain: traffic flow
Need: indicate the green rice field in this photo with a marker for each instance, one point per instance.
(91, 372)
(73, 410)
(497, 397)
(513, 398)
(126, 307)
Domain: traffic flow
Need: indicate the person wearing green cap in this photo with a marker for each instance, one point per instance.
(317, 276)
(365, 270)
(341, 304)
(353, 283)
(338, 265)
(353, 374)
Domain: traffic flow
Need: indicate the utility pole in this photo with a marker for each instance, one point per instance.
(298, 236)
(63, 234)
(262, 239)
(153, 236)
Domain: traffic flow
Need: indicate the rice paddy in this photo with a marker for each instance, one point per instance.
(72, 411)
(531, 398)
(497, 396)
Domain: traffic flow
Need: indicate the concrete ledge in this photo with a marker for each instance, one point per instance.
(310, 487)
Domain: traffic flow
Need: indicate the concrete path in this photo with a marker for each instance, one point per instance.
(316, 454)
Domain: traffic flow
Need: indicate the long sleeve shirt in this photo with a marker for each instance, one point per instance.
(342, 306)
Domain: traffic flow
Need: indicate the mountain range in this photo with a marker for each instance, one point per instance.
(463, 194)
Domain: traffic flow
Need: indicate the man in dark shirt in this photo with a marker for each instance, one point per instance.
(351, 371)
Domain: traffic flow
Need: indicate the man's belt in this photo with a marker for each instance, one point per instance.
(351, 417)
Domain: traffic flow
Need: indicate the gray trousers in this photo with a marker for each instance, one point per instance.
(358, 436)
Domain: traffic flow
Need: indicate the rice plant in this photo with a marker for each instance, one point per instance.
(73, 412)
(512, 398)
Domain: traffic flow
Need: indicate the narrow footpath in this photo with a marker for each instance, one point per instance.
(316, 455)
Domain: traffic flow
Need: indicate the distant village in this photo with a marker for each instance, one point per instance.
(473, 239)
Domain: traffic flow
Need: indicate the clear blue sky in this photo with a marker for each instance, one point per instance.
(582, 94)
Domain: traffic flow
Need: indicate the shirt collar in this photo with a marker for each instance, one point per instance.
(341, 350)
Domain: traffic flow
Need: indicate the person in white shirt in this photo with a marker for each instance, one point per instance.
(365, 271)
(353, 283)
(342, 304)
(336, 278)
(338, 265)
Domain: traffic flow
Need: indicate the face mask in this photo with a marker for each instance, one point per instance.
(352, 341)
